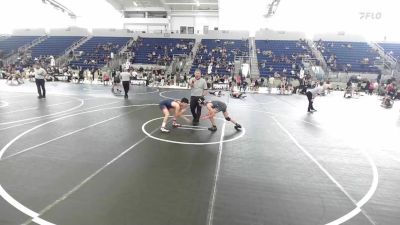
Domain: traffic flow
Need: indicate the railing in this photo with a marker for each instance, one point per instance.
(12, 57)
(382, 52)
(312, 61)
(128, 44)
(189, 61)
(75, 45)
(176, 59)
(62, 60)
(33, 43)
(318, 54)
(388, 60)
(254, 70)
(120, 57)
(179, 55)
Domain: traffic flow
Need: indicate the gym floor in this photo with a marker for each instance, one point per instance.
(86, 157)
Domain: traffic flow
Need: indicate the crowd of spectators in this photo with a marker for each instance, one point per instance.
(101, 55)
(158, 51)
(217, 56)
(348, 56)
(282, 58)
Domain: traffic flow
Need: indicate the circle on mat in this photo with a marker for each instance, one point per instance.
(241, 134)
(167, 97)
(3, 104)
(144, 93)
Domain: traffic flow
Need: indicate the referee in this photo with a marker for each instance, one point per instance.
(40, 74)
(198, 89)
(311, 94)
(126, 81)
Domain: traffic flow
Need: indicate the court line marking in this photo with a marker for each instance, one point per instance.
(278, 115)
(25, 100)
(183, 125)
(23, 95)
(140, 93)
(3, 104)
(8, 197)
(52, 114)
(353, 213)
(61, 118)
(210, 212)
(77, 187)
(18, 125)
(163, 96)
(67, 134)
(190, 128)
(242, 133)
(32, 108)
(16, 204)
(360, 203)
(144, 93)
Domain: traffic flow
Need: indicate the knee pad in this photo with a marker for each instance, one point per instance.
(228, 118)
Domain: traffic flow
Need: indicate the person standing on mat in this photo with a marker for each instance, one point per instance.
(311, 94)
(126, 81)
(215, 107)
(198, 87)
(179, 106)
(40, 74)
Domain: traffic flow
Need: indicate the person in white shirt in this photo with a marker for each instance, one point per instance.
(270, 83)
(127, 64)
(126, 80)
(311, 94)
(40, 74)
(134, 74)
(52, 61)
(209, 70)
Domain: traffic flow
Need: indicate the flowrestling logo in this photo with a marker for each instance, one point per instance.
(370, 15)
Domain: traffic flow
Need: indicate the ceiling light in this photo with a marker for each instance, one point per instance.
(134, 3)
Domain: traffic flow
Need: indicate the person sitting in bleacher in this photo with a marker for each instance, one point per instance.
(391, 90)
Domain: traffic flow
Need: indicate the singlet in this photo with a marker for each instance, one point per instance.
(167, 103)
(219, 106)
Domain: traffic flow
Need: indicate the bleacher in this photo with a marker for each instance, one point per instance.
(220, 53)
(281, 56)
(97, 50)
(161, 50)
(350, 56)
(11, 44)
(55, 46)
(392, 49)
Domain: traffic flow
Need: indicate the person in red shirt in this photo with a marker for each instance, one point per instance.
(391, 90)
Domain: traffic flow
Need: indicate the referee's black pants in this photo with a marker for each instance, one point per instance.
(195, 108)
(40, 87)
(125, 84)
(310, 101)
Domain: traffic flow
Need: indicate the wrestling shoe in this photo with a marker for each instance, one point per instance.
(237, 126)
(175, 125)
(213, 128)
(164, 130)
